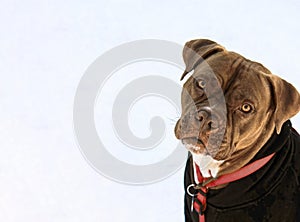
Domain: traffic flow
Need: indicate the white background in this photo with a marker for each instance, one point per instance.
(45, 47)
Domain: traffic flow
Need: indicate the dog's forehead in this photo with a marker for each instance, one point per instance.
(231, 71)
(221, 66)
(228, 67)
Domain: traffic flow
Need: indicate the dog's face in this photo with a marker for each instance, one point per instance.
(230, 106)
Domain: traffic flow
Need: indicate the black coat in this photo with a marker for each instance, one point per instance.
(270, 194)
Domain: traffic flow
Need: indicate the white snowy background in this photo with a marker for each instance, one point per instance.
(46, 46)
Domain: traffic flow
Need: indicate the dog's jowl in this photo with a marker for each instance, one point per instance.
(245, 155)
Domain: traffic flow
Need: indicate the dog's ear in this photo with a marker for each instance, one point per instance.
(195, 51)
(286, 100)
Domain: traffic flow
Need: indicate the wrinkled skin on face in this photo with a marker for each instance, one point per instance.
(230, 105)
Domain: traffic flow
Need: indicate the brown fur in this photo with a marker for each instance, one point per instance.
(242, 81)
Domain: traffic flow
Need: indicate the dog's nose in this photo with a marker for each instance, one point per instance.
(206, 121)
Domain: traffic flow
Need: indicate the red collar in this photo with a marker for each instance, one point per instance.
(239, 174)
(199, 203)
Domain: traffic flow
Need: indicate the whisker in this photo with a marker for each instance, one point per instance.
(175, 119)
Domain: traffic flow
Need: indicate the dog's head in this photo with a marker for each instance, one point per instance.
(230, 105)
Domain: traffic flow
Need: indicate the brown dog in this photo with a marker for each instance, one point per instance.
(234, 112)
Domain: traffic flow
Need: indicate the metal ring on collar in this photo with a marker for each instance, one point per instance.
(188, 190)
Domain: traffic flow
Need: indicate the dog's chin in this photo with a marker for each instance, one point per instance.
(198, 148)
(209, 166)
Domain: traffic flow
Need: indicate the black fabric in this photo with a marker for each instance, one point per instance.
(270, 194)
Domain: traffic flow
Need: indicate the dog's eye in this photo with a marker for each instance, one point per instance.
(202, 84)
(246, 108)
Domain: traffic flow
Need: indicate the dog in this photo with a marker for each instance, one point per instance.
(244, 162)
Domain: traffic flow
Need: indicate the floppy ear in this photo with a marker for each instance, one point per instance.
(195, 51)
(286, 100)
